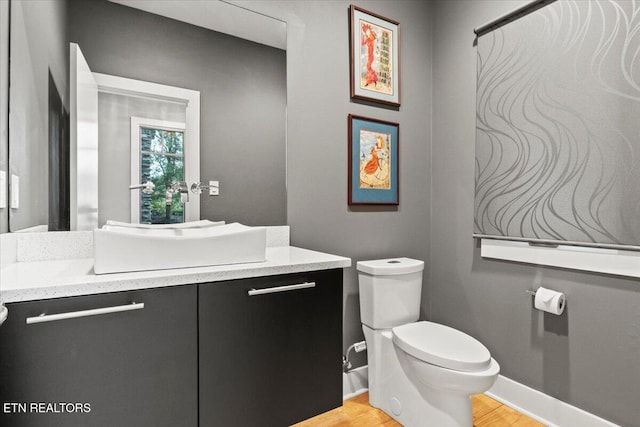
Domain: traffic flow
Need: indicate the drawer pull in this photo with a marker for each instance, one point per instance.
(84, 313)
(253, 292)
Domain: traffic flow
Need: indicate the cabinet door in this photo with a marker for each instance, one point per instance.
(133, 368)
(271, 359)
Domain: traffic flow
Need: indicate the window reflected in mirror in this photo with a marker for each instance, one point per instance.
(161, 162)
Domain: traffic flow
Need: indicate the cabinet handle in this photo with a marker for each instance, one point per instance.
(253, 292)
(84, 313)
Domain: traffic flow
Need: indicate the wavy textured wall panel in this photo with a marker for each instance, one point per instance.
(558, 125)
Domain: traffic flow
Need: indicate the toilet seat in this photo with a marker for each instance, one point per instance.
(442, 346)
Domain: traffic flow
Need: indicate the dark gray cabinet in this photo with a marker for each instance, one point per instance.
(130, 368)
(252, 352)
(272, 358)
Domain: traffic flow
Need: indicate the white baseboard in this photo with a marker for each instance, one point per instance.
(542, 407)
(355, 382)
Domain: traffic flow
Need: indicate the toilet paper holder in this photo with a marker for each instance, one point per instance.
(550, 301)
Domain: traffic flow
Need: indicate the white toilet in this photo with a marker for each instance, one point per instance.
(420, 373)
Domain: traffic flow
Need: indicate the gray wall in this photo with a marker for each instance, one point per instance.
(242, 94)
(38, 44)
(588, 356)
(318, 104)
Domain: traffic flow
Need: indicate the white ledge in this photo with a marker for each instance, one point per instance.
(599, 260)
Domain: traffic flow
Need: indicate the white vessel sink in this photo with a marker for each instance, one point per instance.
(119, 249)
(203, 223)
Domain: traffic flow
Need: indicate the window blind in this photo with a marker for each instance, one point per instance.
(558, 126)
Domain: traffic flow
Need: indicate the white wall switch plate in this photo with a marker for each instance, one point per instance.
(3, 189)
(15, 192)
(214, 188)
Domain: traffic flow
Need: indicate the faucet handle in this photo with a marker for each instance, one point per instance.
(199, 187)
(196, 188)
(178, 187)
(147, 188)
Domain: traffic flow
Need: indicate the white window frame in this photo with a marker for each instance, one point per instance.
(136, 124)
(191, 99)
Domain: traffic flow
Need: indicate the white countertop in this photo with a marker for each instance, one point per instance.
(28, 281)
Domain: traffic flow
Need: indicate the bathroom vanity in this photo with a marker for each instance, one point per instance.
(236, 345)
(129, 368)
(270, 359)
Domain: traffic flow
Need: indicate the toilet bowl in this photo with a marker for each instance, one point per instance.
(442, 357)
(420, 373)
(468, 383)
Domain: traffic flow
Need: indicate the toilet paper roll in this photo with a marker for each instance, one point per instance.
(550, 301)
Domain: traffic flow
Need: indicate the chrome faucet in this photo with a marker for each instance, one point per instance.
(147, 188)
(180, 187)
(197, 187)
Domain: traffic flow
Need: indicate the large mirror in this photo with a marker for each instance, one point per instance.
(242, 90)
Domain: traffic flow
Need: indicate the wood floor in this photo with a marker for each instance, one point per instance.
(357, 412)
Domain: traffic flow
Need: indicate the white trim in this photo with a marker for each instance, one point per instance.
(191, 98)
(541, 407)
(355, 382)
(122, 85)
(136, 124)
(83, 143)
(600, 260)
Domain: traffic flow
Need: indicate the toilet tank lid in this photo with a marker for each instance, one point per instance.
(390, 266)
(442, 346)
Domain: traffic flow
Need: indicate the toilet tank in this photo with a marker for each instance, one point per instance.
(390, 291)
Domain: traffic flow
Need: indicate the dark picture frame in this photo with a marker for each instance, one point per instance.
(373, 161)
(374, 57)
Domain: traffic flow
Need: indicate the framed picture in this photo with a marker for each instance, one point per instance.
(374, 57)
(373, 161)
